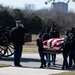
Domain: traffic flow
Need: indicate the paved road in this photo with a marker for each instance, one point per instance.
(31, 63)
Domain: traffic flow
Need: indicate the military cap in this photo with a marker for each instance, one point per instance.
(18, 21)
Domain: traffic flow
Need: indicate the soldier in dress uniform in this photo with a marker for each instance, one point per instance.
(66, 49)
(47, 36)
(17, 38)
(72, 52)
(54, 33)
(40, 50)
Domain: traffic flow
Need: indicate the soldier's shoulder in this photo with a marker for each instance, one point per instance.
(45, 33)
(14, 28)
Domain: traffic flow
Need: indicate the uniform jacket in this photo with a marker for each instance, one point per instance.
(17, 35)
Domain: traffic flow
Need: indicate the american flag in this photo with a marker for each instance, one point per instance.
(53, 44)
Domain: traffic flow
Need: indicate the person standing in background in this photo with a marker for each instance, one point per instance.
(17, 38)
(47, 36)
(66, 49)
(40, 50)
(72, 52)
(54, 34)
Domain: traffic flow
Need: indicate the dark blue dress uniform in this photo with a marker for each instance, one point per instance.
(66, 50)
(40, 50)
(47, 36)
(54, 34)
(17, 38)
(72, 52)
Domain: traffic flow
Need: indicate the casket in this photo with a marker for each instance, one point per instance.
(53, 44)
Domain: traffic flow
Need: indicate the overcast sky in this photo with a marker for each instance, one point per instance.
(38, 3)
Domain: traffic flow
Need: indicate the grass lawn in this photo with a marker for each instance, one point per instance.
(4, 65)
(31, 47)
(65, 73)
(30, 50)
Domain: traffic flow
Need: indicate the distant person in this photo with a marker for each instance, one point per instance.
(47, 36)
(72, 52)
(66, 49)
(40, 50)
(17, 38)
(54, 33)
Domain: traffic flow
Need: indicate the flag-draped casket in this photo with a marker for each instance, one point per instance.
(53, 44)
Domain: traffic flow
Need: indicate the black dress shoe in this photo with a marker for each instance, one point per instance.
(53, 63)
(49, 64)
(18, 65)
(41, 67)
(67, 67)
(63, 68)
(44, 65)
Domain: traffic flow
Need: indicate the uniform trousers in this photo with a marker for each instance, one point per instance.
(17, 54)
